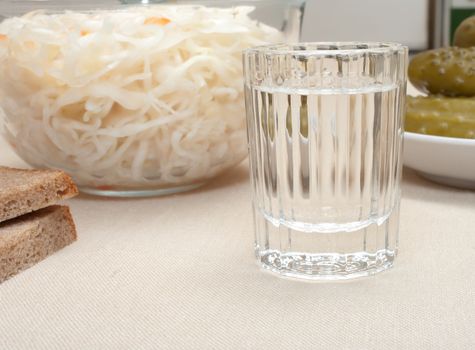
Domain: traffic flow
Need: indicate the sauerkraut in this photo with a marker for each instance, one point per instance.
(139, 97)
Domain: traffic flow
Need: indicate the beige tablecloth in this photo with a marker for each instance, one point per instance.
(178, 273)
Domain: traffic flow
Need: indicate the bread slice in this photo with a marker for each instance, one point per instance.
(30, 238)
(24, 191)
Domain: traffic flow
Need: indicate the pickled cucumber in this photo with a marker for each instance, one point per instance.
(442, 116)
(465, 33)
(449, 71)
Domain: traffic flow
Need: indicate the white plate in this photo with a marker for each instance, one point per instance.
(446, 160)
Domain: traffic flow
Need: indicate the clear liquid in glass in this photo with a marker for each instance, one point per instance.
(325, 170)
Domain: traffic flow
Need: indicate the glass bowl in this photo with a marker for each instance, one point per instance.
(133, 98)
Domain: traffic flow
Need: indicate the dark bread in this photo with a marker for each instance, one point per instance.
(30, 238)
(24, 191)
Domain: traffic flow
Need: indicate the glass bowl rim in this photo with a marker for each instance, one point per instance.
(178, 2)
(14, 8)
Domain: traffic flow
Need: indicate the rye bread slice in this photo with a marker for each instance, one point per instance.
(23, 191)
(30, 238)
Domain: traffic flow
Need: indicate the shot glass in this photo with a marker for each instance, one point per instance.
(325, 132)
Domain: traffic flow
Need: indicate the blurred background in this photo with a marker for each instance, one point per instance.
(420, 24)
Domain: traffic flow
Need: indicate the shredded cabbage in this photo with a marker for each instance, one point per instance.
(143, 96)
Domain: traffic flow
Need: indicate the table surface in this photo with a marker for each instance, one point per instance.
(178, 272)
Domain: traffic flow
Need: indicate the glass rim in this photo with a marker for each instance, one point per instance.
(329, 48)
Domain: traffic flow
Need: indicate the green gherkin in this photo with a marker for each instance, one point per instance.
(442, 116)
(465, 33)
(449, 71)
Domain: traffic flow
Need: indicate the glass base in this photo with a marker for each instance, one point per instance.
(132, 193)
(326, 266)
(317, 253)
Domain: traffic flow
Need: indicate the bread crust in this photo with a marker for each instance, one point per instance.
(23, 191)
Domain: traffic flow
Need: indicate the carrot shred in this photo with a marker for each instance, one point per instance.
(161, 21)
(3, 37)
(105, 187)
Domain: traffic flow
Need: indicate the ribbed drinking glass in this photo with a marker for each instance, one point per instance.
(325, 131)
